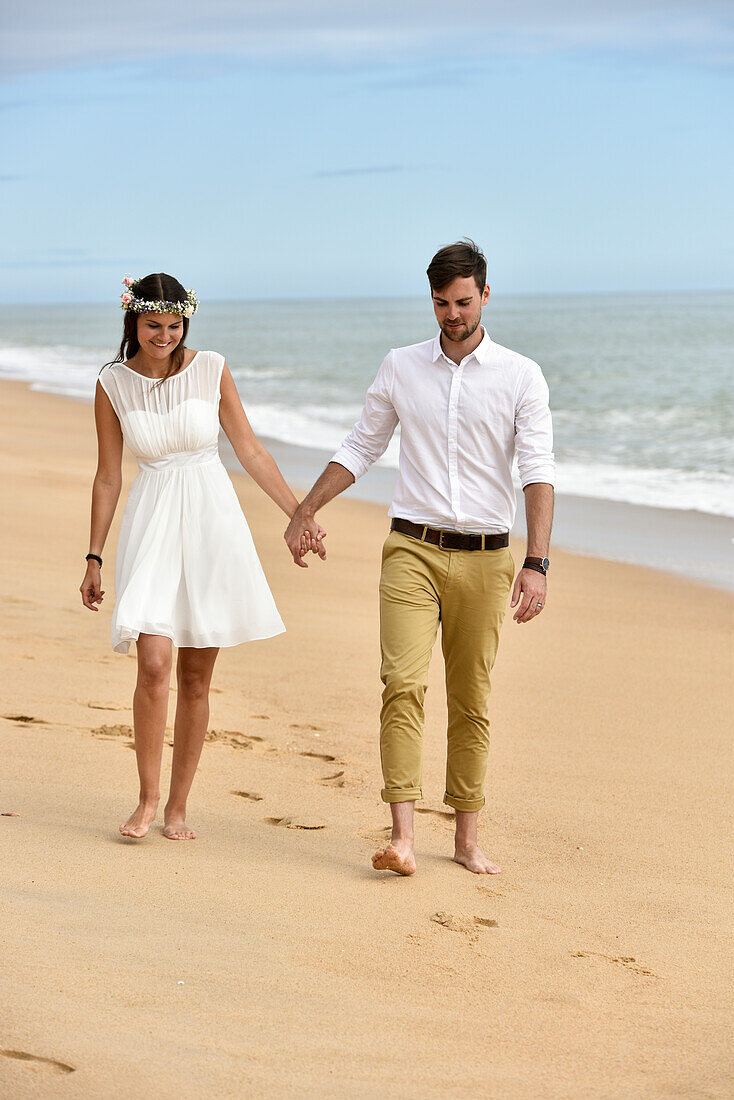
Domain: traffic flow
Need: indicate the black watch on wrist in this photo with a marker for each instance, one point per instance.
(540, 565)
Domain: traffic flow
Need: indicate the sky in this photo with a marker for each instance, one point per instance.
(289, 150)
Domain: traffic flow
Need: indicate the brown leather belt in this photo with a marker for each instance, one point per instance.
(450, 540)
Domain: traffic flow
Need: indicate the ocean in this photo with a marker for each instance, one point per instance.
(641, 385)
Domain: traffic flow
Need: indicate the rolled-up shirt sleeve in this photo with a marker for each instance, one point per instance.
(534, 430)
(370, 436)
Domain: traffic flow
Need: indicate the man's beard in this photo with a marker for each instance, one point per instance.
(458, 335)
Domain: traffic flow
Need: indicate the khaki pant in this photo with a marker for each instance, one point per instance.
(466, 591)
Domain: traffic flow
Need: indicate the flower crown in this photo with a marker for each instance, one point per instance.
(129, 302)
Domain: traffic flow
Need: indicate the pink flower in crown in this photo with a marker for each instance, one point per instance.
(127, 281)
(126, 299)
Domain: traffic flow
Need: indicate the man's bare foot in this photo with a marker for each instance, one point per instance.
(397, 856)
(140, 820)
(474, 858)
(178, 830)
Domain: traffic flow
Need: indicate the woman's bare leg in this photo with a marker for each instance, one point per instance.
(150, 708)
(194, 674)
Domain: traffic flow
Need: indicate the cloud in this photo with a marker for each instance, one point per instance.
(43, 34)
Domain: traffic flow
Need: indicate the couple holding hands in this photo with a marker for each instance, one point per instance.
(187, 573)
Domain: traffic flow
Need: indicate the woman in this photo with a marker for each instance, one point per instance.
(187, 573)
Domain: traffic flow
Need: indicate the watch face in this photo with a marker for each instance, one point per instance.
(546, 563)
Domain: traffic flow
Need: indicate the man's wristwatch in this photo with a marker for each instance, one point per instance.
(540, 565)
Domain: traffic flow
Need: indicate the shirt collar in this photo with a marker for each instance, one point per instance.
(480, 353)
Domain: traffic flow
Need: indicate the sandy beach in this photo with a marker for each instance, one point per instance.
(267, 958)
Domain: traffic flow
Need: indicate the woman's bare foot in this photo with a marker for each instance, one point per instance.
(140, 820)
(178, 830)
(474, 858)
(397, 856)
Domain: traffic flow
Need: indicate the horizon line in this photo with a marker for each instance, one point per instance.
(400, 297)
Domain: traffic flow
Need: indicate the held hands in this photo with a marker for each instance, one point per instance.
(531, 586)
(302, 534)
(91, 587)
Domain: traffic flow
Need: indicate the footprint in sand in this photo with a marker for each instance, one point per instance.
(627, 961)
(261, 717)
(335, 780)
(112, 733)
(490, 892)
(376, 836)
(291, 823)
(249, 795)
(48, 1063)
(24, 719)
(466, 925)
(233, 738)
(105, 706)
(435, 813)
(319, 756)
(298, 726)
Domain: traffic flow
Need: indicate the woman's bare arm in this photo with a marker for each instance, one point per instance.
(260, 464)
(255, 458)
(105, 492)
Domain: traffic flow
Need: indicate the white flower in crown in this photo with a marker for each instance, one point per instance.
(128, 301)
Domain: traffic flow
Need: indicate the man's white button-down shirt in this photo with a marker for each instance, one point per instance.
(461, 425)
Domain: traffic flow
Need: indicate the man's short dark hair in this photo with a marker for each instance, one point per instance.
(462, 260)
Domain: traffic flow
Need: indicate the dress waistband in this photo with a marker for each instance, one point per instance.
(178, 459)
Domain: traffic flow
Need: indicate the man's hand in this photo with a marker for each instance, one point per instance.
(531, 586)
(302, 534)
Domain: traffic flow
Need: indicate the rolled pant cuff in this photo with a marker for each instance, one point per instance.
(408, 794)
(466, 805)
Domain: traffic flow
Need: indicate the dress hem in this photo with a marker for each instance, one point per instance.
(122, 644)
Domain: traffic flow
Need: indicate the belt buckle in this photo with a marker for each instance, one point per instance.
(440, 539)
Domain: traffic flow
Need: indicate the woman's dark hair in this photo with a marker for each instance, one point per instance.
(153, 288)
(463, 260)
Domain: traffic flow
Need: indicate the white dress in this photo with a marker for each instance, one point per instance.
(186, 564)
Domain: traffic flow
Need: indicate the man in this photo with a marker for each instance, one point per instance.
(466, 407)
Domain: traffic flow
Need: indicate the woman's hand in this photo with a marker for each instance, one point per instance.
(313, 541)
(302, 534)
(91, 587)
